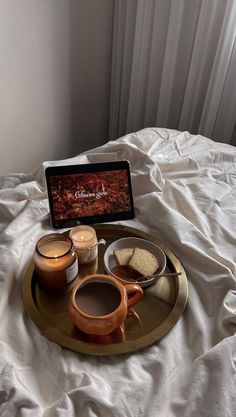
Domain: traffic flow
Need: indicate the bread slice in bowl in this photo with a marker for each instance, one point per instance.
(143, 262)
(123, 255)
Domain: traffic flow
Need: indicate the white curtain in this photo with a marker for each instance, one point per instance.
(174, 66)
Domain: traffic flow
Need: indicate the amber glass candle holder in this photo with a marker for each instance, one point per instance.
(56, 262)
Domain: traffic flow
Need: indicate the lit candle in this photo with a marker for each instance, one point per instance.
(56, 261)
(83, 236)
(55, 249)
(85, 242)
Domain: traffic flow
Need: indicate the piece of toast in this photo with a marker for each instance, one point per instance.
(143, 262)
(123, 255)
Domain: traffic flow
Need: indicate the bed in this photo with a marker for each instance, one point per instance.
(184, 192)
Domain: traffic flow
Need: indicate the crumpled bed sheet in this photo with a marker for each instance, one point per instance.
(185, 192)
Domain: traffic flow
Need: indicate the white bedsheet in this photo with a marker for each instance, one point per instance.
(185, 194)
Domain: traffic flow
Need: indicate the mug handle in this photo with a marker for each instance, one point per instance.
(137, 292)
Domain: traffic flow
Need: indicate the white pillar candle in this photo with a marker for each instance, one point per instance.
(85, 242)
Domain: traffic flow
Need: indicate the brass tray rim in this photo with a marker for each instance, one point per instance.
(56, 336)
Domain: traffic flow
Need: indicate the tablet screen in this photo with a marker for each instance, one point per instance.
(89, 193)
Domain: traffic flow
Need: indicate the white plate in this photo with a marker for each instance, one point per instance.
(132, 242)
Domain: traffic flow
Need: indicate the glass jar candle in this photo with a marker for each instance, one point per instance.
(56, 262)
(85, 242)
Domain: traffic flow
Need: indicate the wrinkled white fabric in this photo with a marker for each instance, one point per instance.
(185, 191)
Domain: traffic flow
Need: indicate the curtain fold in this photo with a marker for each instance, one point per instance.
(174, 66)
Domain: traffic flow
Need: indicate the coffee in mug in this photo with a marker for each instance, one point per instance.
(98, 299)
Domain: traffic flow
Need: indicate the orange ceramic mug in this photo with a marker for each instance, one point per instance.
(99, 303)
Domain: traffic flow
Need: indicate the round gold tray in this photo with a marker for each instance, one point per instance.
(152, 318)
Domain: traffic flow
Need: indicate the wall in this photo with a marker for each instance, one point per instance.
(35, 82)
(92, 26)
(41, 81)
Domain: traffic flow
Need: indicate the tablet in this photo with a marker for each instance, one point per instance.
(89, 193)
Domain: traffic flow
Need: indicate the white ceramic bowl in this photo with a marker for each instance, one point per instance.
(132, 242)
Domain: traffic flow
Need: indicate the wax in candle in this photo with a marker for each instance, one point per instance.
(55, 249)
(83, 236)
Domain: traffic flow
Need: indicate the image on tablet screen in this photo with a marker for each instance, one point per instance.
(89, 194)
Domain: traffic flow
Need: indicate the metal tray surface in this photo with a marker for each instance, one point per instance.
(151, 319)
